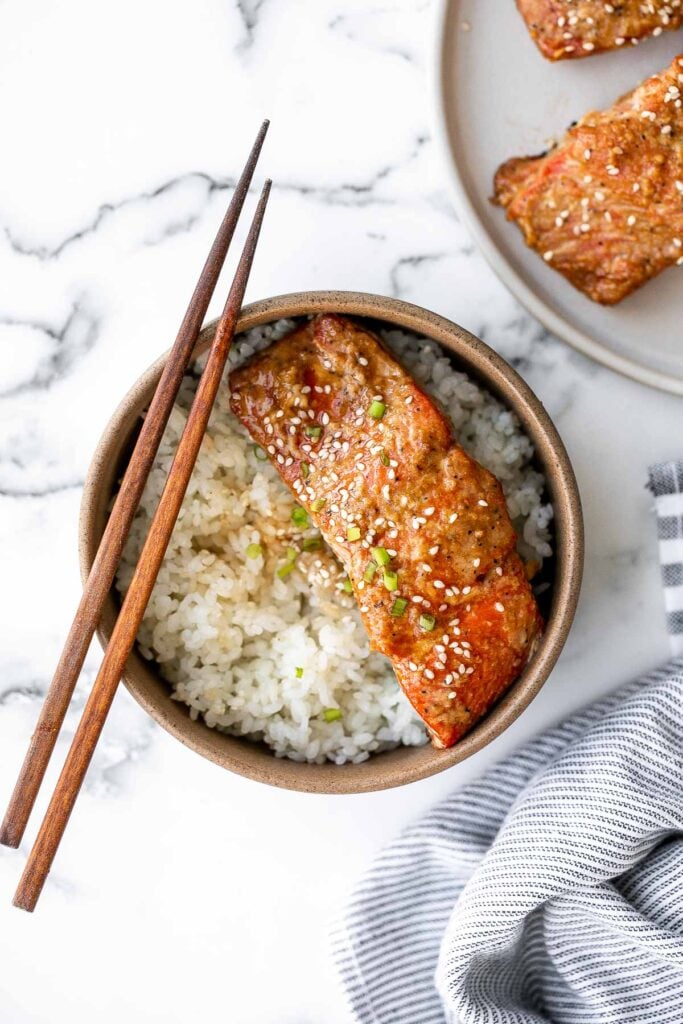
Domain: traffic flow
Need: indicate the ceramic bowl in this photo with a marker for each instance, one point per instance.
(404, 764)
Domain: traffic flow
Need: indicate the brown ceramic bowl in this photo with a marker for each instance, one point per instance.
(405, 764)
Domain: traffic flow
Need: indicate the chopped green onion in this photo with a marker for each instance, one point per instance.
(370, 571)
(390, 579)
(313, 431)
(291, 554)
(285, 570)
(377, 410)
(299, 516)
(381, 556)
(305, 470)
(353, 533)
(254, 550)
(312, 543)
(398, 607)
(384, 458)
(427, 622)
(347, 586)
(318, 505)
(332, 714)
(299, 672)
(260, 454)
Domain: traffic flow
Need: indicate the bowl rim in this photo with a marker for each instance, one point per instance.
(404, 764)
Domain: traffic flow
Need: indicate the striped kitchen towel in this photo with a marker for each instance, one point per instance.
(551, 890)
(666, 483)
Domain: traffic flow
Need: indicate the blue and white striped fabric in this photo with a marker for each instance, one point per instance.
(548, 892)
(666, 483)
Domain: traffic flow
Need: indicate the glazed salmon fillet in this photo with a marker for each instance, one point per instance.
(566, 29)
(605, 206)
(421, 529)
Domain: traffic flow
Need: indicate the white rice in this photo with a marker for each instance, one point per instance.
(274, 659)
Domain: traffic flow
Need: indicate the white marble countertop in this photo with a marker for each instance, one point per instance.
(182, 892)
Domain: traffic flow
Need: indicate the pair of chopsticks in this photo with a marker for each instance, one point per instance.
(111, 546)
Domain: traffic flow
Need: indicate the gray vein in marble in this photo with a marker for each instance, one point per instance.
(342, 23)
(357, 28)
(22, 692)
(126, 739)
(410, 262)
(73, 340)
(23, 493)
(249, 11)
(358, 194)
(107, 210)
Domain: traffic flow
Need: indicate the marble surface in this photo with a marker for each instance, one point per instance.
(180, 891)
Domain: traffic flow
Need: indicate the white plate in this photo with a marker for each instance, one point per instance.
(497, 98)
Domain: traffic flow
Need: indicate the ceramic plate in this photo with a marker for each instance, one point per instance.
(497, 98)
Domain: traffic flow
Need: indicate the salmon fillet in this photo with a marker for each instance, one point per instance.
(422, 530)
(605, 206)
(565, 29)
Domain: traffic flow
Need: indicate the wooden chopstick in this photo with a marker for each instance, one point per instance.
(118, 525)
(141, 586)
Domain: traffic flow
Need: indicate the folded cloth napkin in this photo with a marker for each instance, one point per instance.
(548, 892)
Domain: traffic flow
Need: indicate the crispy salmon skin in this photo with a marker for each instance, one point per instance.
(422, 530)
(566, 29)
(605, 206)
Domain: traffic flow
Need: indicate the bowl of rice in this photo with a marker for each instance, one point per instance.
(269, 673)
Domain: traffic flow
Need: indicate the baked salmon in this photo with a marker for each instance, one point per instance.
(566, 29)
(422, 530)
(605, 206)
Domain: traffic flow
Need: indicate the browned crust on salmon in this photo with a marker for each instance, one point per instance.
(570, 29)
(399, 482)
(605, 206)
